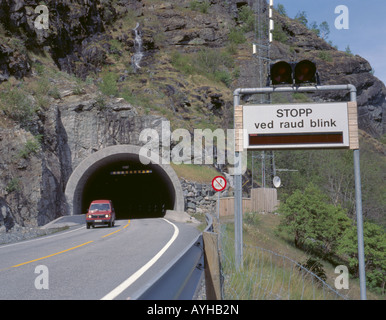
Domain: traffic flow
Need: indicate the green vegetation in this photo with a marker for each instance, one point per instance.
(18, 45)
(206, 62)
(31, 147)
(322, 220)
(108, 86)
(201, 6)
(271, 265)
(266, 273)
(322, 31)
(281, 9)
(348, 51)
(314, 224)
(236, 36)
(300, 97)
(13, 185)
(251, 218)
(197, 173)
(301, 17)
(16, 104)
(375, 254)
(332, 171)
(325, 55)
(279, 34)
(316, 267)
(325, 230)
(246, 17)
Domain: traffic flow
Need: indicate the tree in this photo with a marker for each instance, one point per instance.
(348, 51)
(313, 222)
(281, 10)
(374, 238)
(247, 18)
(324, 30)
(314, 28)
(301, 16)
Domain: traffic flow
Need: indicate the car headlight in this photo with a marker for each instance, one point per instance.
(90, 216)
(107, 215)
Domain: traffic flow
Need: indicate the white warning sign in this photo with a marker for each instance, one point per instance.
(295, 126)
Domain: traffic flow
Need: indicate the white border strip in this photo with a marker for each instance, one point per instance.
(129, 281)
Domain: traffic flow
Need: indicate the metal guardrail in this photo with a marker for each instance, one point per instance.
(179, 280)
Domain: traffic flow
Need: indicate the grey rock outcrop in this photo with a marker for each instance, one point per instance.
(73, 128)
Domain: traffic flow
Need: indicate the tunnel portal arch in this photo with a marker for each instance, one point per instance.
(93, 178)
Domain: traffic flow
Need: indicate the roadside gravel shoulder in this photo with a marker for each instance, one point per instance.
(18, 233)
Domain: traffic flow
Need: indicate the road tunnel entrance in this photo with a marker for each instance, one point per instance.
(136, 190)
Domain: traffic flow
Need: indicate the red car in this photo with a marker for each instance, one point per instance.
(101, 212)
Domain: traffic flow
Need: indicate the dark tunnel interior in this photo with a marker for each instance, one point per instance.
(136, 190)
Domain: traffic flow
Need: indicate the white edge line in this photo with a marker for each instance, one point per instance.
(129, 281)
(39, 238)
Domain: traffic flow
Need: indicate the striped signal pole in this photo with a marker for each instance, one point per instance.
(271, 25)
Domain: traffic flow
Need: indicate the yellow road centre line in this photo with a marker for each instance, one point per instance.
(51, 255)
(106, 235)
(54, 254)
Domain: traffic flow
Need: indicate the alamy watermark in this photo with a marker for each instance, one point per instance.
(342, 20)
(42, 20)
(205, 146)
(41, 281)
(341, 281)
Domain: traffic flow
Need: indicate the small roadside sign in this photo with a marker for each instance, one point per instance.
(219, 183)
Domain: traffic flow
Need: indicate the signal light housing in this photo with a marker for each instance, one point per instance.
(303, 72)
(281, 73)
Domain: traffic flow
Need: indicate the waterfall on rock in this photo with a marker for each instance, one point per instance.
(138, 54)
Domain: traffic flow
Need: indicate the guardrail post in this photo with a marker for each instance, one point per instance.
(212, 266)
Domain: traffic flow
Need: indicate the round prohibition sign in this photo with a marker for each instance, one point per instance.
(219, 183)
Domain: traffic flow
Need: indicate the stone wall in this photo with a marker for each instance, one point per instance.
(199, 197)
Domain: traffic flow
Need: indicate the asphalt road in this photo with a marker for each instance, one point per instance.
(101, 263)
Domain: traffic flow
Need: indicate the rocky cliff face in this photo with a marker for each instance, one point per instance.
(40, 148)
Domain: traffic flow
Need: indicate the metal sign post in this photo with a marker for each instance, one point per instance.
(238, 176)
(219, 184)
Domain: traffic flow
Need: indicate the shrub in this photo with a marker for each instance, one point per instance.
(325, 55)
(316, 267)
(236, 36)
(281, 10)
(108, 86)
(247, 18)
(182, 62)
(13, 185)
(279, 34)
(54, 92)
(252, 218)
(30, 147)
(375, 253)
(200, 6)
(224, 76)
(206, 62)
(313, 223)
(16, 104)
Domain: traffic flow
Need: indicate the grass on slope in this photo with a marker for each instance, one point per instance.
(198, 173)
(266, 274)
